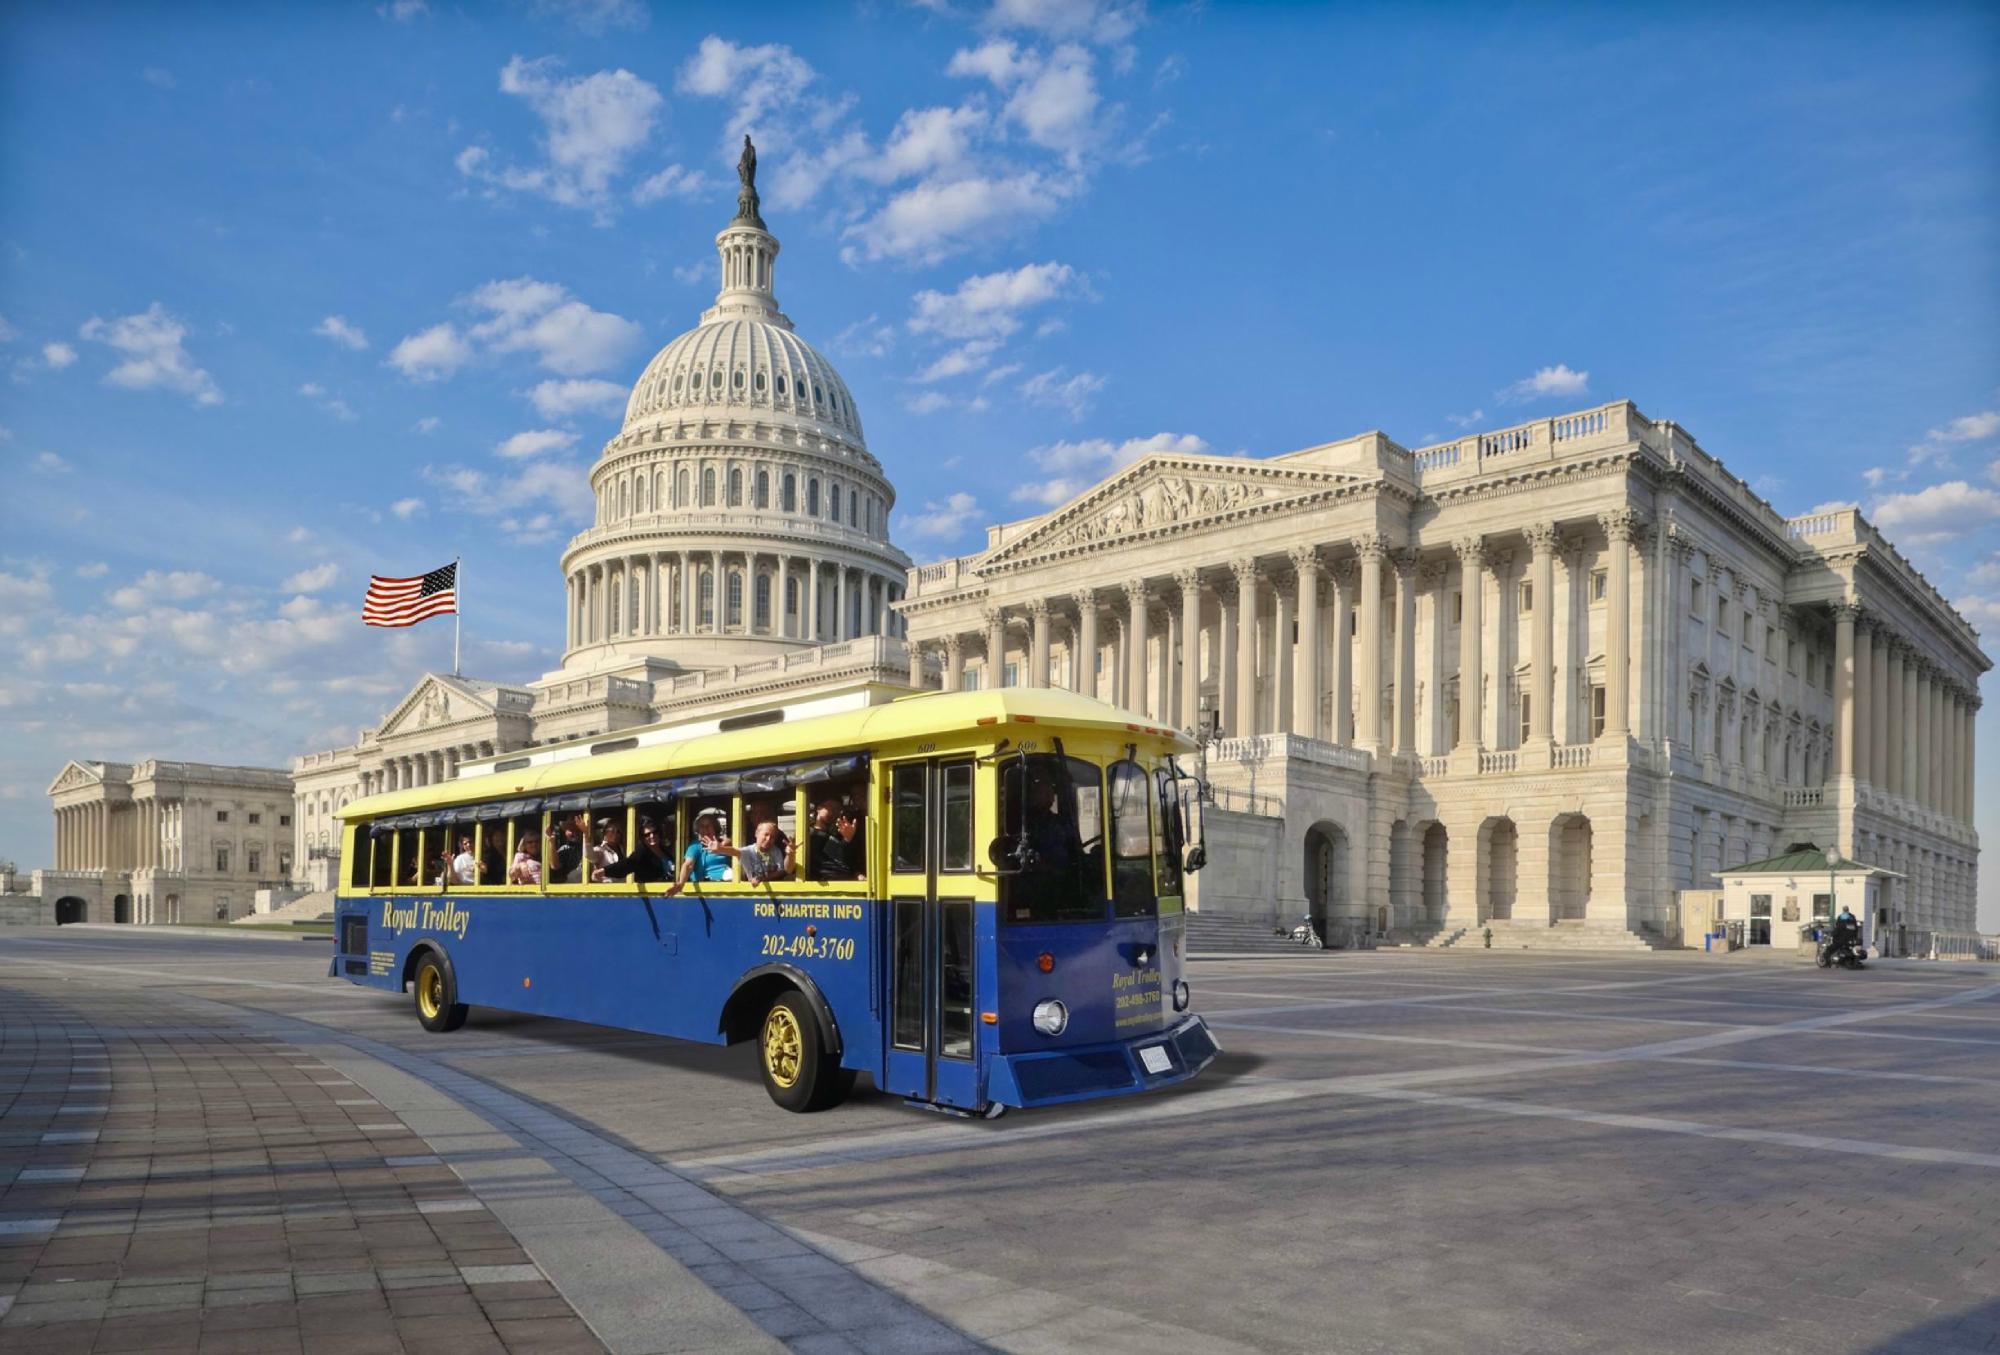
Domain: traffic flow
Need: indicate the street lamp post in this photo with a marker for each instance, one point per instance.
(1832, 885)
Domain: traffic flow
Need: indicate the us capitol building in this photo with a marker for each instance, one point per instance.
(1546, 680)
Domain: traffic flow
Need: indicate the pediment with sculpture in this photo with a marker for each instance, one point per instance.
(1162, 496)
(433, 702)
(75, 776)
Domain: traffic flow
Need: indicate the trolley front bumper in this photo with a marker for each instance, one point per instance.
(1088, 1071)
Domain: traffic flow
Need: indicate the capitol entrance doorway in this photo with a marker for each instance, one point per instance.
(121, 908)
(71, 910)
(1326, 876)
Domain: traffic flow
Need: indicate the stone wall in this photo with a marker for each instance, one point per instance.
(1241, 877)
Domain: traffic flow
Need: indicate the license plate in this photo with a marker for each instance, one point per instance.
(1156, 1060)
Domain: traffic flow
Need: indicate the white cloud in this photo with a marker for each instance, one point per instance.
(337, 328)
(430, 423)
(58, 355)
(18, 589)
(48, 463)
(535, 442)
(1937, 513)
(934, 219)
(332, 404)
(407, 508)
(930, 402)
(152, 344)
(1077, 465)
(96, 569)
(967, 357)
(1103, 21)
(560, 399)
(591, 126)
(158, 77)
(944, 519)
(1052, 98)
(869, 336)
(596, 16)
(1465, 420)
(926, 141)
(1057, 390)
(531, 502)
(990, 305)
(526, 315)
(1938, 442)
(157, 586)
(432, 354)
(403, 11)
(675, 181)
(312, 580)
(565, 335)
(1875, 475)
(1547, 381)
(1001, 63)
(1982, 611)
(7, 332)
(758, 79)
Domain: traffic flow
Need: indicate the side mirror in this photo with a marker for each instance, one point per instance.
(1004, 854)
(1197, 857)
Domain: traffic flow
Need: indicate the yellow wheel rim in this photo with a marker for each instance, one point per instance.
(430, 991)
(784, 1047)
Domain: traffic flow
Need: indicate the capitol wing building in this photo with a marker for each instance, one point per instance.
(1545, 681)
(1541, 680)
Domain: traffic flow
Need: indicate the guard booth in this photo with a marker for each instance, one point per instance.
(1779, 901)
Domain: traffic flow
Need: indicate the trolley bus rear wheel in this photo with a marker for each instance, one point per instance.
(791, 1053)
(438, 1007)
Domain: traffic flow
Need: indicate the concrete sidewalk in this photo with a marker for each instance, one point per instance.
(170, 1183)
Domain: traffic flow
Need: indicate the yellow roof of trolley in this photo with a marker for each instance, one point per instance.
(909, 718)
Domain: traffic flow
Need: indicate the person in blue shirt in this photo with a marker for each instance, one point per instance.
(707, 857)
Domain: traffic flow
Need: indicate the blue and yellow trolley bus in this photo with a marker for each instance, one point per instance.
(1014, 936)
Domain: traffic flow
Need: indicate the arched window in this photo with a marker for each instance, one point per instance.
(738, 380)
(639, 495)
(788, 496)
(833, 503)
(760, 383)
(659, 491)
(617, 613)
(681, 489)
(812, 498)
(708, 487)
(705, 602)
(735, 613)
(735, 489)
(791, 597)
(763, 489)
(763, 615)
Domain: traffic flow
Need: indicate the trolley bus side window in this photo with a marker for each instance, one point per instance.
(1131, 842)
(373, 852)
(1052, 828)
(1167, 844)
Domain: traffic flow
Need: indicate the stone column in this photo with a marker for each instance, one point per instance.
(1968, 781)
(1166, 625)
(1137, 600)
(1843, 689)
(1542, 651)
(1038, 649)
(1404, 718)
(996, 650)
(1342, 678)
(882, 606)
(1934, 739)
(1889, 768)
(1226, 626)
(1866, 698)
(1912, 684)
(1086, 641)
(812, 602)
(1305, 654)
(954, 662)
(1920, 735)
(1471, 684)
(1371, 548)
(1619, 527)
(1284, 597)
(1245, 714)
(1190, 586)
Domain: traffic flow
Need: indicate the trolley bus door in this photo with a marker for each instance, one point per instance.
(931, 1027)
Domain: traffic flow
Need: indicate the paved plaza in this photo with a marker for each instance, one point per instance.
(207, 1145)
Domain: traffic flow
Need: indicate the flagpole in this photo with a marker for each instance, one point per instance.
(458, 582)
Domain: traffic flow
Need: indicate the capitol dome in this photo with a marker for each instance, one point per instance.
(739, 511)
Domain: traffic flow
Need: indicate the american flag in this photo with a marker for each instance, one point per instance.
(404, 602)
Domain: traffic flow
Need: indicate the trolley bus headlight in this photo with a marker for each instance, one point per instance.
(1051, 1017)
(1181, 995)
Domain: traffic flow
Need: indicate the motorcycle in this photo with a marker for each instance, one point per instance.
(1846, 954)
(1308, 936)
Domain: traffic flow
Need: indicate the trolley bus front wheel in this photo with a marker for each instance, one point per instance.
(438, 1007)
(791, 1053)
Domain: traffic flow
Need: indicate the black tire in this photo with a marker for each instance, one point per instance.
(792, 1055)
(436, 993)
(1823, 959)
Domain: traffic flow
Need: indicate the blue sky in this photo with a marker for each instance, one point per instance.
(295, 293)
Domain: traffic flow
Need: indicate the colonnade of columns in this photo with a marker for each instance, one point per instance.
(422, 769)
(687, 592)
(1903, 725)
(117, 836)
(1266, 623)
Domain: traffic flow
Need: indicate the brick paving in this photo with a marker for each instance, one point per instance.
(181, 1185)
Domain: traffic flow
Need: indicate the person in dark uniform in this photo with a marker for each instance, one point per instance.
(842, 853)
